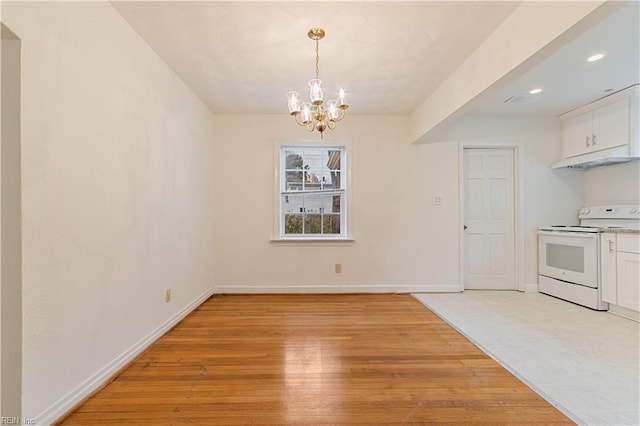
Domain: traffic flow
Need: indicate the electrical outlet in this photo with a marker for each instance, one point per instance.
(167, 296)
(338, 268)
(437, 200)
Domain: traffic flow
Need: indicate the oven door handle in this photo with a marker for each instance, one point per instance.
(585, 235)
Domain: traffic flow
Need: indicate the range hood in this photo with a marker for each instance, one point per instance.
(605, 157)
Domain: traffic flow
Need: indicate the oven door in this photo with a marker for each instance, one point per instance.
(569, 256)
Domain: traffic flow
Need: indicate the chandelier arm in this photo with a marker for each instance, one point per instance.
(298, 121)
(331, 124)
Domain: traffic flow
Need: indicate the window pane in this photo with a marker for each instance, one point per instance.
(335, 204)
(331, 224)
(293, 203)
(311, 180)
(333, 163)
(313, 224)
(333, 166)
(318, 203)
(335, 179)
(293, 160)
(293, 181)
(293, 223)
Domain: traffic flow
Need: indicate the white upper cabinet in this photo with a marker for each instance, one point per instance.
(611, 125)
(607, 123)
(577, 134)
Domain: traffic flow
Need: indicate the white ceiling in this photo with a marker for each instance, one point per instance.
(242, 57)
(568, 80)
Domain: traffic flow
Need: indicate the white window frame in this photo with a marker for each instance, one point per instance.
(345, 177)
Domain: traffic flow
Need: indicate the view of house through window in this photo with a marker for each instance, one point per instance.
(312, 191)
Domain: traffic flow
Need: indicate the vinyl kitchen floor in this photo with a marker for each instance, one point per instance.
(584, 362)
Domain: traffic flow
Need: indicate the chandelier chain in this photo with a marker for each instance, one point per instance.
(317, 60)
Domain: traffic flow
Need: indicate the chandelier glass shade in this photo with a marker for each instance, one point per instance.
(315, 115)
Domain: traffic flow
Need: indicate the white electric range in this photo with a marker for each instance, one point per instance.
(569, 255)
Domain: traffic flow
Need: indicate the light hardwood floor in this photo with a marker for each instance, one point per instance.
(314, 359)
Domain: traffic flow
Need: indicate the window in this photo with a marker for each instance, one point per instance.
(312, 192)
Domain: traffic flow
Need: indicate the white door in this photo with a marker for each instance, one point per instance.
(489, 238)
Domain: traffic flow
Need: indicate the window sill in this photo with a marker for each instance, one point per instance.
(312, 241)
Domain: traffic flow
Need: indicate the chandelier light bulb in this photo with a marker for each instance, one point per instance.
(332, 110)
(305, 114)
(315, 91)
(342, 103)
(294, 102)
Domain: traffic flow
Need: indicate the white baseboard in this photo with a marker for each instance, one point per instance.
(333, 289)
(624, 312)
(454, 288)
(258, 289)
(531, 288)
(94, 382)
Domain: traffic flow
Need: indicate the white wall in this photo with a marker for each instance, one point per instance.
(401, 240)
(617, 184)
(550, 196)
(117, 197)
(10, 230)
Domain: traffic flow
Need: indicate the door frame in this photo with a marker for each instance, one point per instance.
(518, 200)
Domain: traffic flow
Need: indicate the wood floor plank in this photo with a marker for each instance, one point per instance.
(314, 359)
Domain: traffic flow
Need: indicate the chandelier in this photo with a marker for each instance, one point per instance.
(315, 115)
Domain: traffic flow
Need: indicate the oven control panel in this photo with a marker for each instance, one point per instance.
(625, 211)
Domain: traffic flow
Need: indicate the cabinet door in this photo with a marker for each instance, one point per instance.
(611, 125)
(629, 280)
(608, 268)
(576, 135)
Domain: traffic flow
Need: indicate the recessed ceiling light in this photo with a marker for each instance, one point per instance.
(595, 57)
(535, 91)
